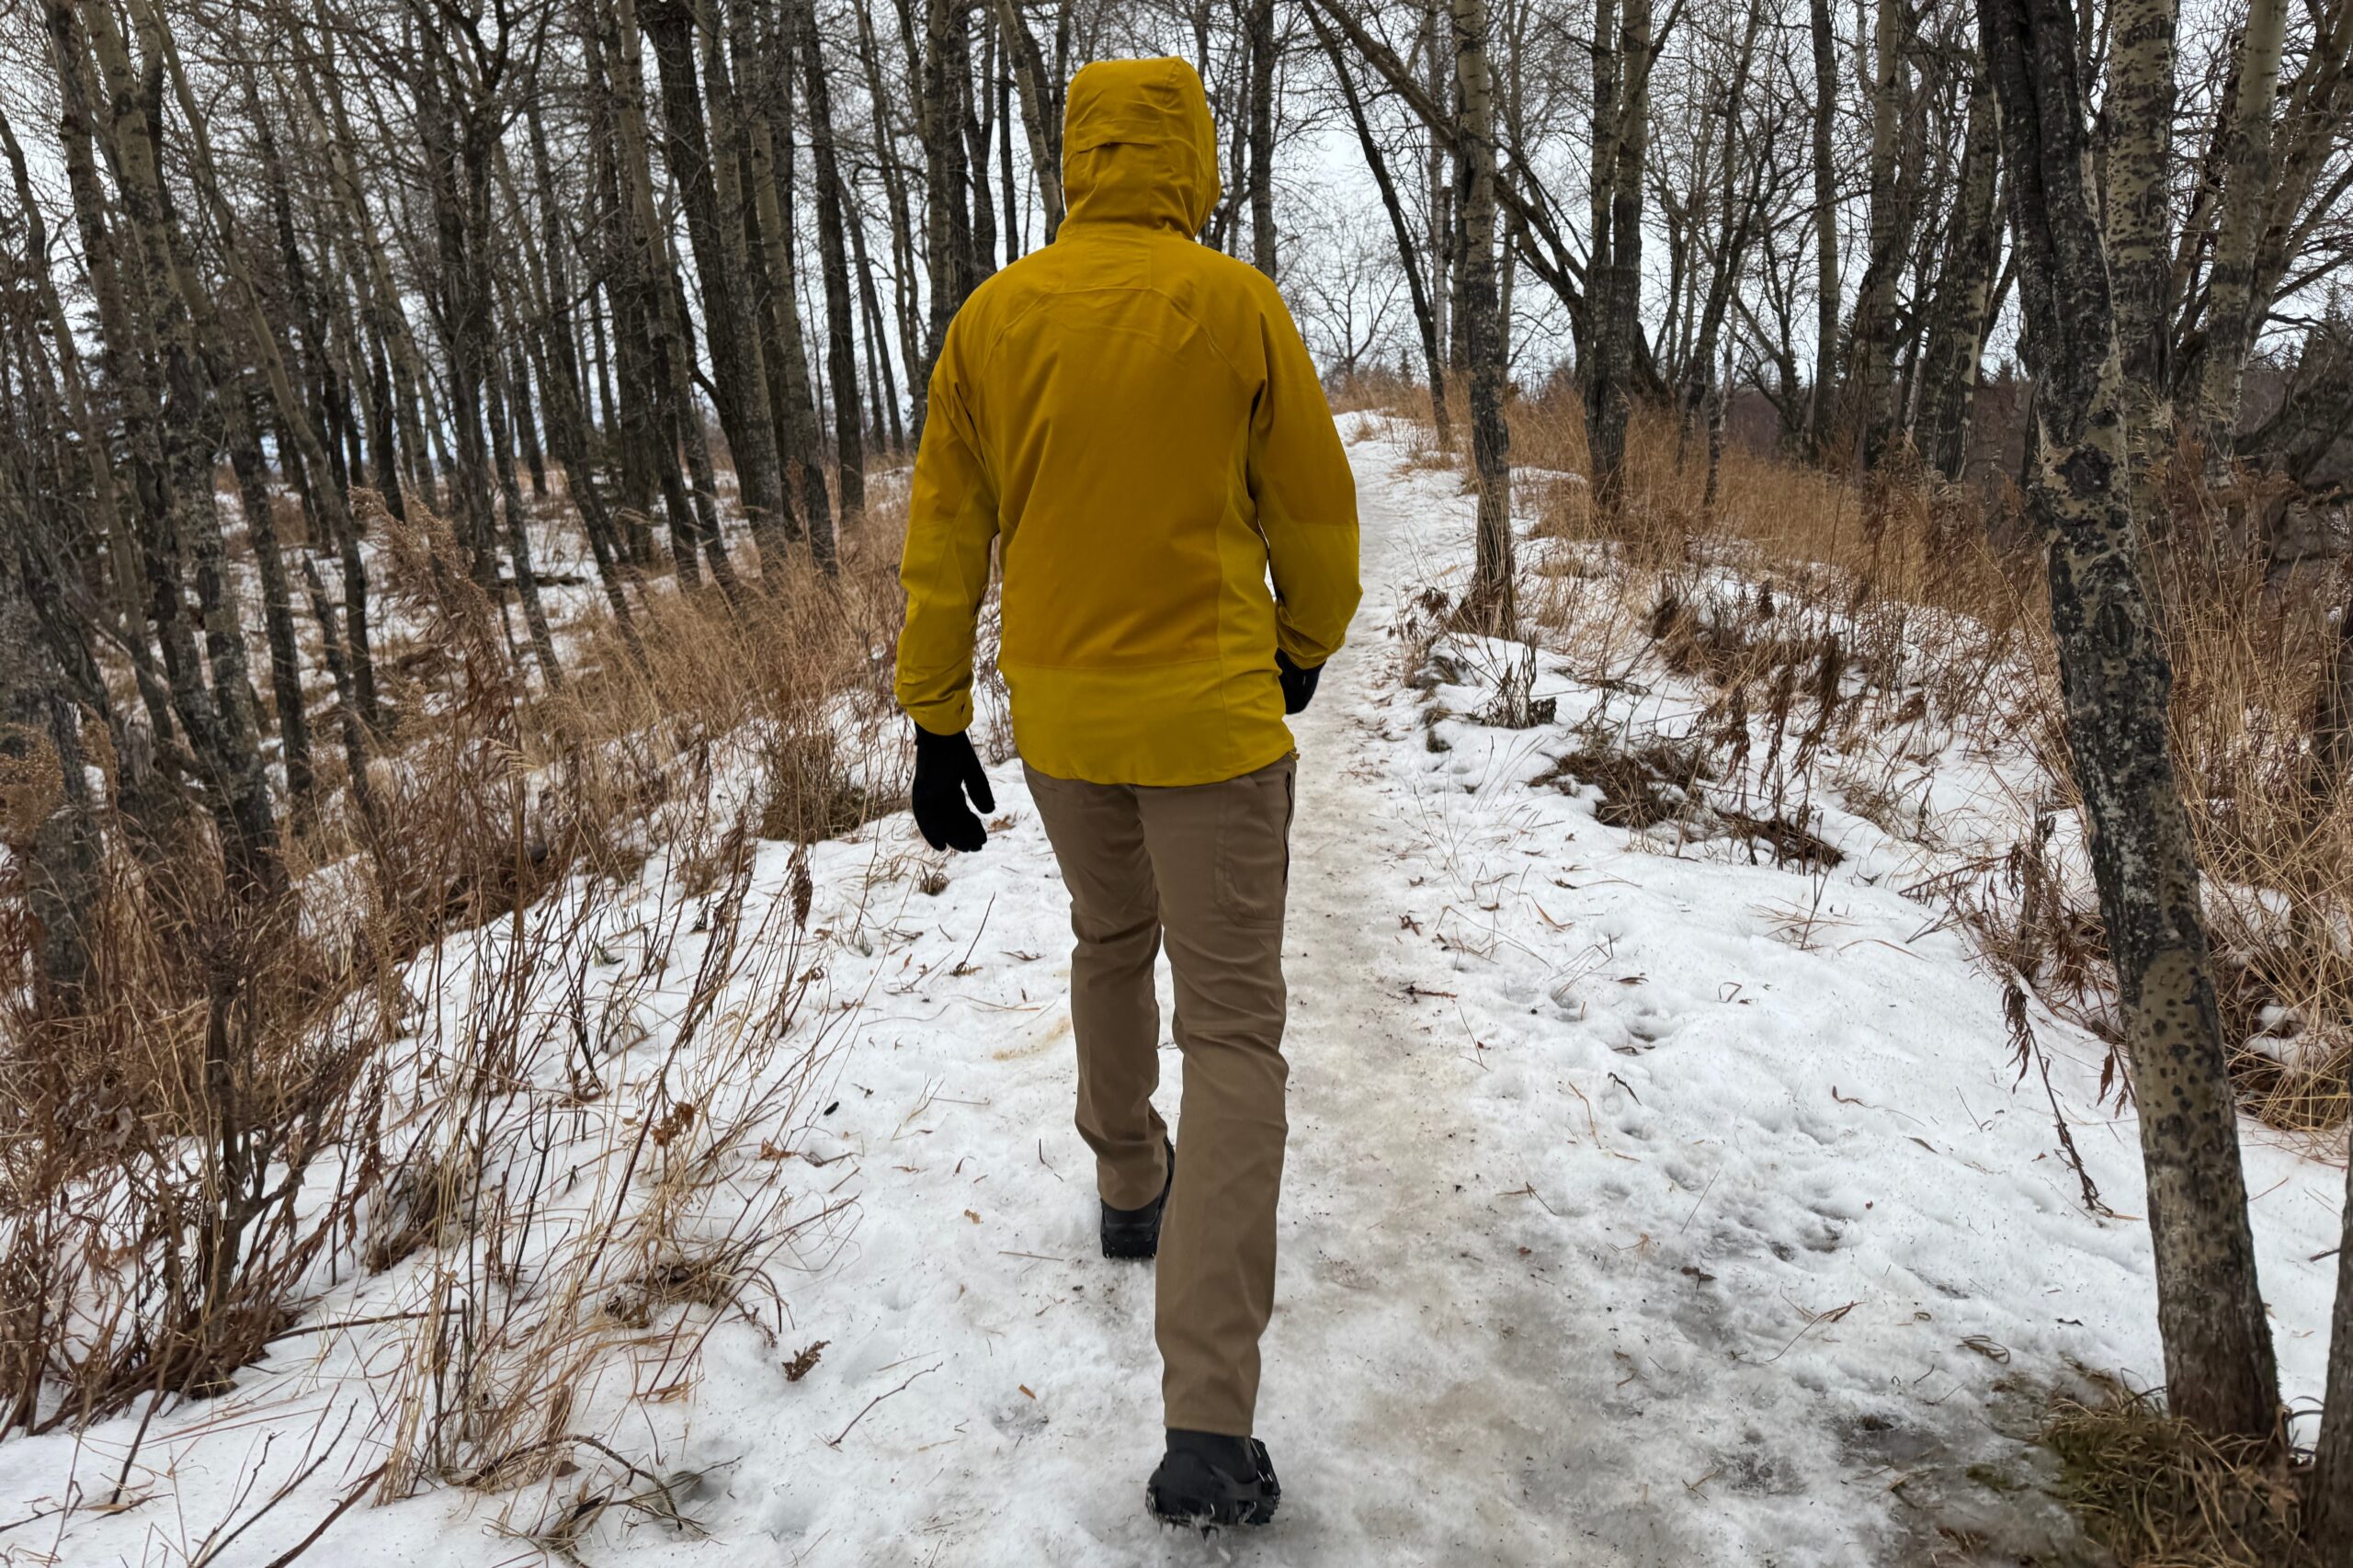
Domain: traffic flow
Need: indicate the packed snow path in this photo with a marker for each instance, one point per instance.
(1643, 1206)
(1619, 1227)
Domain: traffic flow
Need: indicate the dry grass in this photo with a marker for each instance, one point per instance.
(2159, 1495)
(1903, 620)
(254, 1095)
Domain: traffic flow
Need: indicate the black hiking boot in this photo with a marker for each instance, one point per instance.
(1207, 1482)
(1135, 1233)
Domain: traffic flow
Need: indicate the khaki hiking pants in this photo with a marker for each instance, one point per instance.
(1208, 864)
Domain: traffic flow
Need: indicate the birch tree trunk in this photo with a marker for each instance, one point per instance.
(54, 844)
(2140, 112)
(881, 387)
(841, 308)
(519, 538)
(894, 195)
(525, 423)
(2233, 313)
(1948, 368)
(168, 409)
(794, 407)
(1017, 227)
(1037, 124)
(548, 343)
(736, 371)
(278, 609)
(948, 241)
(1439, 194)
(1823, 425)
(403, 376)
(448, 146)
(1621, 130)
(1873, 375)
(1259, 34)
(972, 104)
(652, 299)
(2116, 684)
(1735, 226)
(1491, 605)
(117, 544)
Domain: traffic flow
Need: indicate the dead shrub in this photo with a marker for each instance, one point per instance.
(1643, 784)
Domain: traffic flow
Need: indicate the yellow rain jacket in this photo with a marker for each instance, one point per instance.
(1132, 418)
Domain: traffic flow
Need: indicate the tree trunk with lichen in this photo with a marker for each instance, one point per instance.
(2233, 312)
(1621, 140)
(1491, 602)
(2116, 684)
(2140, 114)
(1823, 421)
(1964, 292)
(1872, 377)
(1259, 29)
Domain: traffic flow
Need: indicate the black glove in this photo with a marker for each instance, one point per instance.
(946, 768)
(1299, 685)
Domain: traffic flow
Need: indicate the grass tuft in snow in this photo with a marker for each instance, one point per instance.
(2160, 1495)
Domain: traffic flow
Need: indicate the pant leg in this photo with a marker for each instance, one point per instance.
(1097, 834)
(1221, 854)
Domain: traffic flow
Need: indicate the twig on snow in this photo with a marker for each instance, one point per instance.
(311, 1539)
(1702, 1198)
(835, 1440)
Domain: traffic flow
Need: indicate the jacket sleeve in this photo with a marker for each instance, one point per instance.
(1306, 497)
(952, 522)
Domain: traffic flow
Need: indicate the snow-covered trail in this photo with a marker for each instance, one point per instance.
(1415, 1398)
(1644, 1206)
(1543, 1095)
(1620, 1225)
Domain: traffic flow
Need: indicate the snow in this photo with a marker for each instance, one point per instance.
(1644, 1206)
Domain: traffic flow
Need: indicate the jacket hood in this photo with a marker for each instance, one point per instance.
(1138, 146)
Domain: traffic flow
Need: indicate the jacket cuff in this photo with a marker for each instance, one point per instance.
(1301, 649)
(944, 716)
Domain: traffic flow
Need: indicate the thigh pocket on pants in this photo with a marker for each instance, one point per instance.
(1254, 845)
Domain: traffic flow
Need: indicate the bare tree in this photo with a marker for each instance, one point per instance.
(2219, 1368)
(1409, 258)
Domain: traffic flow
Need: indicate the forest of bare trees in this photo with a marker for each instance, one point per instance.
(566, 310)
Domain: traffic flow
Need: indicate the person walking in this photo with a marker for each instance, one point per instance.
(1129, 419)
